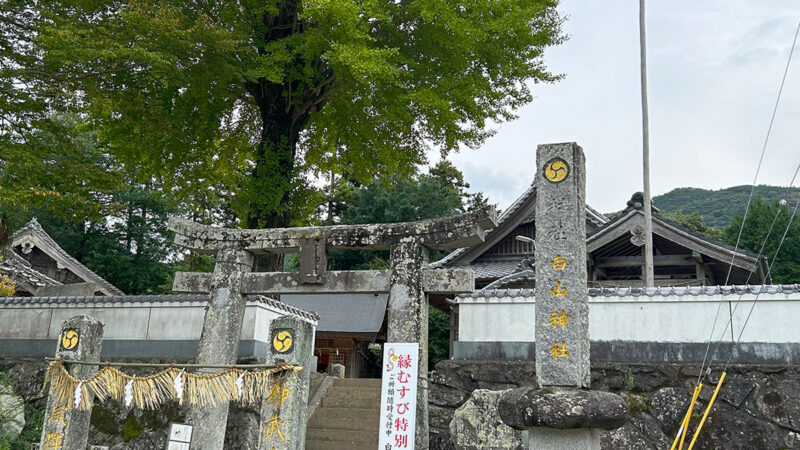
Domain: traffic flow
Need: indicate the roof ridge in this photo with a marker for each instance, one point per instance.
(35, 227)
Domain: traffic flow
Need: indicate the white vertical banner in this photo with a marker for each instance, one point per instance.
(398, 396)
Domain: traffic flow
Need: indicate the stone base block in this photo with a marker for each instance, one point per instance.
(541, 438)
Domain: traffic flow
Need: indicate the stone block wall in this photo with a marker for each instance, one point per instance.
(758, 407)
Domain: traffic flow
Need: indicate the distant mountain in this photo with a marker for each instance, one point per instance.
(718, 207)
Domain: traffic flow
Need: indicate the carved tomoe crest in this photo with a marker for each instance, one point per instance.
(282, 341)
(556, 170)
(637, 236)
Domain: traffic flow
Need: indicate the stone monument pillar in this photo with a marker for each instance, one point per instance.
(283, 410)
(561, 413)
(562, 299)
(219, 342)
(81, 339)
(408, 319)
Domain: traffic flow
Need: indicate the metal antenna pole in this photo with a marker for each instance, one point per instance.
(647, 270)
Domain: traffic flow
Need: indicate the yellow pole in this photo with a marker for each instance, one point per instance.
(685, 422)
(708, 409)
(689, 413)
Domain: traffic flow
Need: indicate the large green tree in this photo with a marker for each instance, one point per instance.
(761, 216)
(246, 101)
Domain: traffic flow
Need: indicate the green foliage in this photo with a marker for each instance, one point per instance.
(629, 380)
(32, 432)
(786, 268)
(129, 246)
(438, 336)
(694, 222)
(718, 207)
(240, 102)
(404, 200)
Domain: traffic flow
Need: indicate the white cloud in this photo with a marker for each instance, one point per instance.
(714, 71)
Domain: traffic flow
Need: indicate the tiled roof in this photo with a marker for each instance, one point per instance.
(491, 269)
(35, 228)
(311, 315)
(132, 299)
(344, 313)
(527, 275)
(21, 271)
(592, 215)
(664, 291)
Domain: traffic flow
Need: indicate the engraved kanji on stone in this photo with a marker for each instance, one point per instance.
(274, 426)
(559, 262)
(560, 232)
(558, 291)
(559, 352)
(556, 203)
(557, 319)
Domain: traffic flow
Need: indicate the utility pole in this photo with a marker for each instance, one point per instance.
(647, 270)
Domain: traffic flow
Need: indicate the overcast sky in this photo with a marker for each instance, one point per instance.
(714, 72)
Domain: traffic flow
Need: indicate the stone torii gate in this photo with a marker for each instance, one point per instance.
(407, 282)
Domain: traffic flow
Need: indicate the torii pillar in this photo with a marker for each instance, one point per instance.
(408, 283)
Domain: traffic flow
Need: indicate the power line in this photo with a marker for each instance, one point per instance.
(769, 270)
(750, 198)
(768, 276)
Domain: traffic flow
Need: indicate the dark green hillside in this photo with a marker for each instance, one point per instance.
(716, 207)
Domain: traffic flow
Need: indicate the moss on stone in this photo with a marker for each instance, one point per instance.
(629, 380)
(131, 429)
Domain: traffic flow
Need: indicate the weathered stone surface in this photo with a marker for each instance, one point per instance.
(561, 290)
(449, 378)
(736, 391)
(407, 318)
(439, 281)
(440, 416)
(219, 341)
(668, 407)
(147, 441)
(441, 441)
(463, 230)
(730, 429)
(562, 408)
(445, 396)
(12, 413)
(283, 422)
(243, 426)
(337, 370)
(477, 424)
(780, 402)
(73, 424)
(642, 432)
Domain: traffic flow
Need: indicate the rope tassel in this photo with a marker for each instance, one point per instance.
(171, 384)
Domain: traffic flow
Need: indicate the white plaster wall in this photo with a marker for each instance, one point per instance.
(775, 318)
(31, 323)
(177, 323)
(141, 321)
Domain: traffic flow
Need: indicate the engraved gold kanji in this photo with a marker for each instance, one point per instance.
(559, 352)
(57, 415)
(559, 291)
(559, 262)
(278, 393)
(557, 319)
(274, 426)
(54, 441)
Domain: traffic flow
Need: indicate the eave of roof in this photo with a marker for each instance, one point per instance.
(21, 271)
(137, 299)
(592, 215)
(33, 228)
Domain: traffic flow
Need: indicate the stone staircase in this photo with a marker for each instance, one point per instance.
(348, 417)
